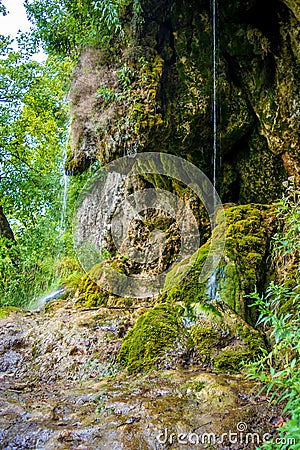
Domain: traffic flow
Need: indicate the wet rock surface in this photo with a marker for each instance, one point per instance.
(61, 389)
(168, 65)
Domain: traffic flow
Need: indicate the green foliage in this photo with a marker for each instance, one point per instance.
(107, 94)
(33, 126)
(24, 273)
(288, 212)
(65, 26)
(34, 265)
(33, 133)
(279, 369)
(3, 10)
(126, 76)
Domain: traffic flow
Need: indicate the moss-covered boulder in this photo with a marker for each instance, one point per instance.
(153, 333)
(243, 267)
(221, 339)
(181, 336)
(85, 291)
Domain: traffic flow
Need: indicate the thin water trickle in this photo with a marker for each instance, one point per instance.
(215, 125)
(64, 182)
(64, 203)
(212, 284)
(40, 303)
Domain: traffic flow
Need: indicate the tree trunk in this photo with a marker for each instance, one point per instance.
(5, 230)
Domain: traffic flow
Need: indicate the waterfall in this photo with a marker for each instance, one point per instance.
(64, 183)
(40, 303)
(64, 203)
(212, 284)
(215, 101)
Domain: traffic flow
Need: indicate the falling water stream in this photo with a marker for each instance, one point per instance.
(58, 291)
(215, 127)
(212, 284)
(62, 224)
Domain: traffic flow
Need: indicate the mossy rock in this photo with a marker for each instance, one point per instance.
(252, 338)
(252, 345)
(230, 359)
(243, 265)
(222, 341)
(87, 293)
(91, 294)
(153, 333)
(205, 340)
(188, 288)
(167, 338)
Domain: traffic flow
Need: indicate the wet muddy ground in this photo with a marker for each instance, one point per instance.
(60, 389)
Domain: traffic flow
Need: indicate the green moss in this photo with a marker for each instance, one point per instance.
(205, 339)
(249, 229)
(223, 345)
(242, 267)
(229, 360)
(252, 338)
(90, 290)
(88, 293)
(230, 288)
(154, 332)
(187, 289)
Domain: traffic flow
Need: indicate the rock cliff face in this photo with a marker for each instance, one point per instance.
(153, 92)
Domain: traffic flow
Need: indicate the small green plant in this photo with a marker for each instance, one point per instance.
(279, 369)
(126, 76)
(106, 93)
